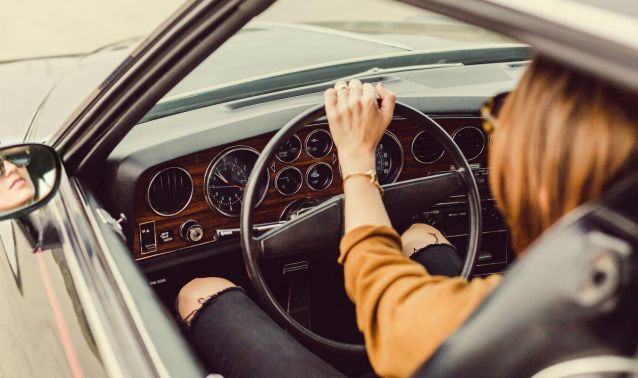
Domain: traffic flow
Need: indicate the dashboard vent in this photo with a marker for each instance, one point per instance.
(456, 76)
(170, 191)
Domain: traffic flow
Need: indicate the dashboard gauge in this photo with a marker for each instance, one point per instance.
(318, 143)
(289, 151)
(389, 158)
(426, 149)
(226, 179)
(470, 140)
(319, 176)
(288, 181)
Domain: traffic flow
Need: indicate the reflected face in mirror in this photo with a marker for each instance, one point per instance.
(16, 187)
(29, 177)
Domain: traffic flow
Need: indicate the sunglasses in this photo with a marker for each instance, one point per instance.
(19, 159)
(490, 110)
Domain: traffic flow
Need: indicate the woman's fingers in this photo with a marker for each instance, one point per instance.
(369, 94)
(342, 93)
(330, 101)
(388, 100)
(354, 89)
(340, 84)
(354, 104)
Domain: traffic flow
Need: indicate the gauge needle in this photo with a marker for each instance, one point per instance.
(221, 177)
(230, 185)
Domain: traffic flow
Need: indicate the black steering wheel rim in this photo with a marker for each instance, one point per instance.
(251, 246)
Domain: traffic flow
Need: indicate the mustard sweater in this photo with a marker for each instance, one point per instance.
(404, 313)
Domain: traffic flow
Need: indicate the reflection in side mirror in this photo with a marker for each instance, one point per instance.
(29, 177)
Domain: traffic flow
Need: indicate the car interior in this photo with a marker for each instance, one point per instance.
(183, 191)
(180, 178)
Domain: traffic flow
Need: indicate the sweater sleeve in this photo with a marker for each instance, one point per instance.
(405, 313)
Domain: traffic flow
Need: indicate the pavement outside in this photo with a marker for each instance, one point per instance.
(36, 28)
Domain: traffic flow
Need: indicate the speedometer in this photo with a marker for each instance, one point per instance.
(389, 158)
(226, 179)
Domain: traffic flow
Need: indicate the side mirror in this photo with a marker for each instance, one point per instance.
(29, 178)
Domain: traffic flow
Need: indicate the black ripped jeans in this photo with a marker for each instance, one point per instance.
(235, 338)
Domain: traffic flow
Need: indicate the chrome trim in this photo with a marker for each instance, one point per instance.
(308, 137)
(332, 176)
(301, 147)
(589, 365)
(414, 155)
(217, 159)
(398, 142)
(298, 187)
(148, 192)
(263, 227)
(482, 136)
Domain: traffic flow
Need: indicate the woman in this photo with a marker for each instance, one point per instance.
(16, 187)
(561, 139)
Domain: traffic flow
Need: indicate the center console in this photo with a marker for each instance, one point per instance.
(451, 218)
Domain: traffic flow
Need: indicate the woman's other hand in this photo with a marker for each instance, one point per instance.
(357, 123)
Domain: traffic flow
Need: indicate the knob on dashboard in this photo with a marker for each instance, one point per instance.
(191, 231)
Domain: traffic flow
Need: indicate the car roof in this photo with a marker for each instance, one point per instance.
(596, 36)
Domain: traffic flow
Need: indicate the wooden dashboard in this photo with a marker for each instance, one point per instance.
(164, 231)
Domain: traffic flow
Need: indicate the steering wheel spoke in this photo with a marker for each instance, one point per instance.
(406, 198)
(317, 229)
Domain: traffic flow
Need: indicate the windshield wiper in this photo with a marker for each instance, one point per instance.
(378, 71)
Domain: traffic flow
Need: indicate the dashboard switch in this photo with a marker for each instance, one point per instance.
(191, 231)
(148, 242)
(166, 236)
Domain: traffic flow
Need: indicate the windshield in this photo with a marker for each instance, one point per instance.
(296, 44)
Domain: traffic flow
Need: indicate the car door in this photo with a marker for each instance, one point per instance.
(43, 325)
(99, 302)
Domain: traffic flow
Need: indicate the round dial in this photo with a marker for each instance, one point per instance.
(288, 181)
(226, 179)
(389, 158)
(319, 176)
(470, 140)
(318, 143)
(425, 148)
(289, 151)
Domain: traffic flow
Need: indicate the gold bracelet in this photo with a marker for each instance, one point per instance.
(372, 174)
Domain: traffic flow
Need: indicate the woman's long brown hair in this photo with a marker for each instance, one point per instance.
(564, 138)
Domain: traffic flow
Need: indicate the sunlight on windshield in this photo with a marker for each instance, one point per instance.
(294, 35)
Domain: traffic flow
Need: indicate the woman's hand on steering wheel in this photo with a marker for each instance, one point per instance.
(357, 123)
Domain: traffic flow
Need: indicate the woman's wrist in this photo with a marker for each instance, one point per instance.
(356, 162)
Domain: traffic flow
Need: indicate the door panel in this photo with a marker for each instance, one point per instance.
(42, 328)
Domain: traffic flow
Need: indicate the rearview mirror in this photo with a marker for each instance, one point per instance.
(29, 177)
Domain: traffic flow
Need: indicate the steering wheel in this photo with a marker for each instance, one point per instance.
(321, 228)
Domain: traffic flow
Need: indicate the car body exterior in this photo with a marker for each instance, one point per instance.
(76, 303)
